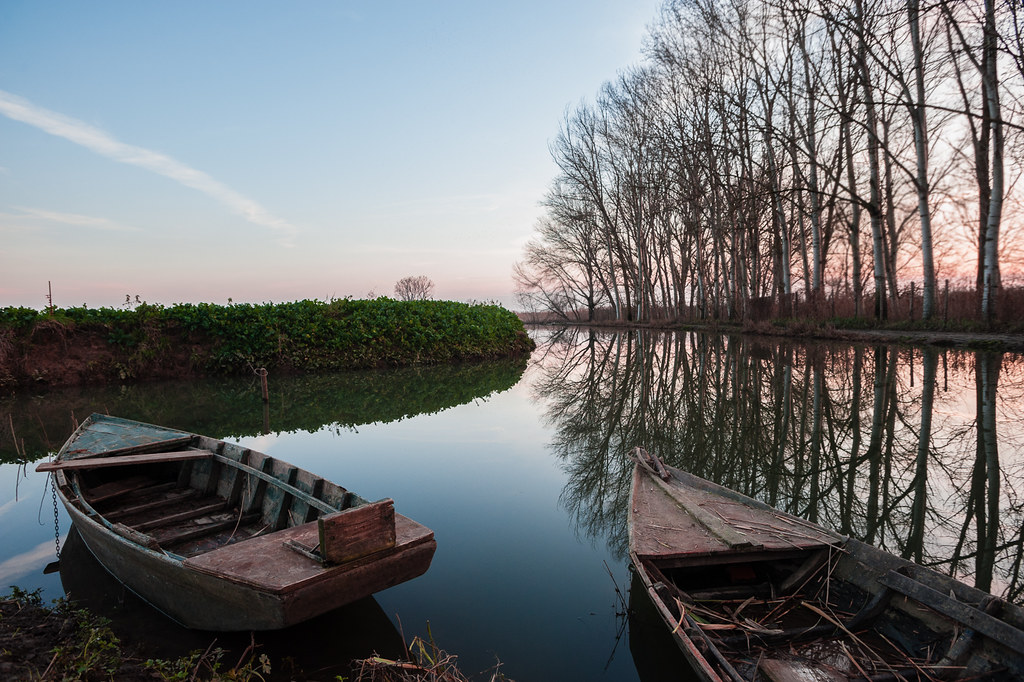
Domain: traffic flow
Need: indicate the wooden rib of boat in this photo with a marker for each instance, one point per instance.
(221, 537)
(751, 593)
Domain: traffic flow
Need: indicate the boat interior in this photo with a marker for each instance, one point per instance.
(794, 616)
(190, 500)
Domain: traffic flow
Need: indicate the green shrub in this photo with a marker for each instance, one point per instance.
(306, 335)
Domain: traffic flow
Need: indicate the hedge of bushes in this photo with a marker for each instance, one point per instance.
(304, 335)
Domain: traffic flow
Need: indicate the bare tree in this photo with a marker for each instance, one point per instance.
(416, 288)
(739, 161)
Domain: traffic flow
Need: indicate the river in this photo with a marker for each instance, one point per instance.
(520, 469)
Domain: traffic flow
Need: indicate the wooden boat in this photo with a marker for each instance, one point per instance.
(220, 537)
(752, 593)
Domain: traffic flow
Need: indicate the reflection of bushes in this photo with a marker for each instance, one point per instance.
(233, 407)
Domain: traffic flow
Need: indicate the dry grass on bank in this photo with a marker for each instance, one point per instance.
(425, 662)
(955, 309)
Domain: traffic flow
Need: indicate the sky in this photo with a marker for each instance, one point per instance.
(274, 151)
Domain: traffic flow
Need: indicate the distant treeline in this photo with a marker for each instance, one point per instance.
(94, 345)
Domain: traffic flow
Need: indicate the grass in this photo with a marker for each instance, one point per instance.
(66, 642)
(424, 661)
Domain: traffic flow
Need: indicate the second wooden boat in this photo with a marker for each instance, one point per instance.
(751, 593)
(221, 537)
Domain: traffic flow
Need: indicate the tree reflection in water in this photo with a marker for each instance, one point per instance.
(928, 467)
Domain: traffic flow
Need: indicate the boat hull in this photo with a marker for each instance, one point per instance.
(221, 538)
(201, 601)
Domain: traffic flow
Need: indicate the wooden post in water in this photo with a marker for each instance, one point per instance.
(262, 371)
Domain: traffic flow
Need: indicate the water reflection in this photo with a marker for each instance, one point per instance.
(321, 648)
(908, 449)
(33, 426)
(655, 653)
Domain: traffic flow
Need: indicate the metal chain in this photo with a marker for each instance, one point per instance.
(56, 517)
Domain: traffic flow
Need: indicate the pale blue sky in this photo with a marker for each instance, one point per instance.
(274, 151)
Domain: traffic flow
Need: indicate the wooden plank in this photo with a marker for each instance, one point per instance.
(170, 537)
(278, 501)
(308, 552)
(339, 498)
(140, 448)
(806, 570)
(792, 670)
(135, 536)
(300, 511)
(255, 480)
(266, 562)
(715, 525)
(178, 517)
(317, 492)
(233, 480)
(124, 460)
(967, 614)
(357, 532)
(173, 497)
(202, 472)
(212, 483)
(120, 488)
(185, 473)
(270, 478)
(661, 525)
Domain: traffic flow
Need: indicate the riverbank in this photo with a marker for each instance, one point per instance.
(68, 642)
(1000, 341)
(82, 346)
(40, 643)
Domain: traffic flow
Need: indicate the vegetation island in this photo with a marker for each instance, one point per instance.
(81, 345)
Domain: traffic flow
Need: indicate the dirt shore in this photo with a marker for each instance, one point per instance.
(1010, 343)
(996, 341)
(38, 643)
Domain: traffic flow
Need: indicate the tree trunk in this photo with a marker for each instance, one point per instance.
(995, 211)
(921, 152)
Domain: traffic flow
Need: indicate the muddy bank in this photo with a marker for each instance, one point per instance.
(59, 356)
(38, 643)
(1010, 343)
(977, 341)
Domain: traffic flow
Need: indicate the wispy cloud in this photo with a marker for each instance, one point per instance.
(26, 562)
(74, 219)
(99, 141)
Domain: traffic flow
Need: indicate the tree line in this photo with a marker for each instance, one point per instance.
(765, 150)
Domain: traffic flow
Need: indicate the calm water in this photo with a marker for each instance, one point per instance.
(520, 470)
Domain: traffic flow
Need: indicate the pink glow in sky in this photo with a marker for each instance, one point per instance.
(266, 151)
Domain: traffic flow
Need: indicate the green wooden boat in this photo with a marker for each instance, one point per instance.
(750, 593)
(221, 537)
